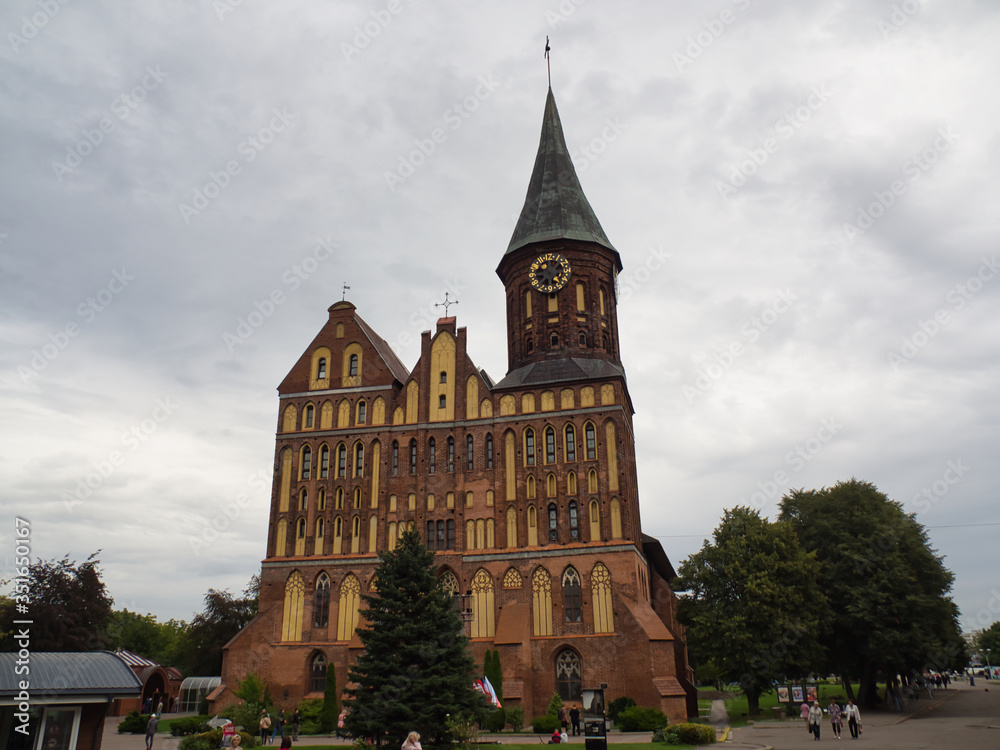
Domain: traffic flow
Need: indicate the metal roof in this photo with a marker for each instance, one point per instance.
(134, 660)
(69, 674)
(555, 206)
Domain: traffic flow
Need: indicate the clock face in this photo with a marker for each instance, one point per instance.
(549, 273)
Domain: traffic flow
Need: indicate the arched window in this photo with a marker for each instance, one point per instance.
(591, 437)
(291, 620)
(592, 481)
(571, 483)
(413, 456)
(303, 499)
(321, 499)
(569, 680)
(451, 454)
(483, 615)
(450, 583)
(352, 366)
(550, 445)
(347, 610)
(595, 521)
(395, 457)
(359, 460)
(319, 530)
(600, 592)
(554, 339)
(569, 437)
(362, 412)
(616, 518)
(443, 377)
(469, 453)
(321, 601)
(339, 505)
(529, 485)
(306, 463)
(489, 450)
(529, 347)
(321, 368)
(442, 401)
(572, 595)
(357, 498)
(574, 521)
(317, 674)
(431, 455)
(308, 416)
(550, 485)
(583, 338)
(532, 519)
(529, 447)
(341, 460)
(511, 527)
(356, 532)
(553, 523)
(324, 461)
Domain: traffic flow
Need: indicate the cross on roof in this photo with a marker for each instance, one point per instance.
(446, 303)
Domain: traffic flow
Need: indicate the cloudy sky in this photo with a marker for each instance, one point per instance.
(804, 196)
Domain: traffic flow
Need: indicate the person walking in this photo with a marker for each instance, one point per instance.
(853, 719)
(264, 725)
(279, 725)
(815, 719)
(150, 731)
(412, 742)
(574, 717)
(804, 713)
(834, 711)
(563, 718)
(296, 720)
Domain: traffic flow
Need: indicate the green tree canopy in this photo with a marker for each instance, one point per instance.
(888, 590)
(988, 642)
(68, 603)
(224, 616)
(752, 606)
(416, 672)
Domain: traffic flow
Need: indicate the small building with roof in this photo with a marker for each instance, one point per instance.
(59, 701)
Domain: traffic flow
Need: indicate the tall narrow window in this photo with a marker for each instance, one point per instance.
(574, 521)
(306, 462)
(341, 460)
(309, 416)
(569, 680)
(451, 454)
(321, 602)
(359, 460)
(489, 450)
(339, 504)
(321, 499)
(591, 435)
(357, 498)
(553, 523)
(395, 457)
(572, 595)
(442, 401)
(321, 368)
(554, 339)
(469, 446)
(317, 674)
(550, 445)
(413, 456)
(541, 602)
(362, 412)
(431, 455)
(324, 462)
(352, 367)
(570, 443)
(529, 447)
(443, 378)
(304, 499)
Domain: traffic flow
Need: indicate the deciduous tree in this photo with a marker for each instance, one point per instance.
(752, 606)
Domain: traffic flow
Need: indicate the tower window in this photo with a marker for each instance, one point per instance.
(362, 412)
(554, 339)
(591, 442)
(550, 445)
(570, 443)
(489, 450)
(469, 445)
(431, 455)
(583, 338)
(324, 462)
(309, 415)
(553, 523)
(413, 456)
(352, 367)
(529, 447)
(359, 460)
(451, 454)
(306, 462)
(574, 521)
(442, 401)
(321, 368)
(444, 378)
(395, 457)
(341, 461)
(529, 346)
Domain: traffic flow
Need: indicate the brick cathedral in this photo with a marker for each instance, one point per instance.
(525, 487)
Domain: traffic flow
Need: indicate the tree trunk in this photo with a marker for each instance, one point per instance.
(867, 690)
(848, 688)
(753, 704)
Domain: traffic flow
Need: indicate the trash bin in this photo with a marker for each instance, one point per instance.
(595, 734)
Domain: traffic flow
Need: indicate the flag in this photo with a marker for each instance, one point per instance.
(491, 692)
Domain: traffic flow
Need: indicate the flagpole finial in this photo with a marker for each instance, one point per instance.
(548, 60)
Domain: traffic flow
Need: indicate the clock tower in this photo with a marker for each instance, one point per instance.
(559, 272)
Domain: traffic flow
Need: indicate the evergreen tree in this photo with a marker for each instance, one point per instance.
(331, 707)
(416, 672)
(752, 606)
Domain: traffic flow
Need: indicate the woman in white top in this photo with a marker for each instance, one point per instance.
(853, 719)
(815, 719)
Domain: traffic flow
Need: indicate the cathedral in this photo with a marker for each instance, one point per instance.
(526, 488)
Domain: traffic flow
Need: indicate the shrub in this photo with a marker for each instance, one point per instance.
(310, 713)
(134, 723)
(515, 717)
(638, 719)
(554, 705)
(204, 741)
(495, 720)
(189, 725)
(246, 715)
(686, 734)
(618, 705)
(545, 724)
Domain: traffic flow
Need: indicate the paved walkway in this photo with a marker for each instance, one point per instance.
(961, 717)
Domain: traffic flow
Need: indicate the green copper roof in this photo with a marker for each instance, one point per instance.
(555, 207)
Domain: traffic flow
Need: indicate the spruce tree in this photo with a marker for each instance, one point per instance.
(416, 672)
(330, 712)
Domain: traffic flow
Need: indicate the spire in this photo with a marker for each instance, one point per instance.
(555, 207)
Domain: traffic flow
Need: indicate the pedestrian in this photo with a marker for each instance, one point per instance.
(412, 742)
(159, 708)
(834, 711)
(150, 731)
(804, 713)
(235, 741)
(574, 717)
(279, 725)
(264, 725)
(563, 718)
(815, 718)
(853, 719)
(296, 720)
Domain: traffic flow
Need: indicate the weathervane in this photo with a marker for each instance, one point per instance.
(446, 303)
(548, 61)
(344, 295)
